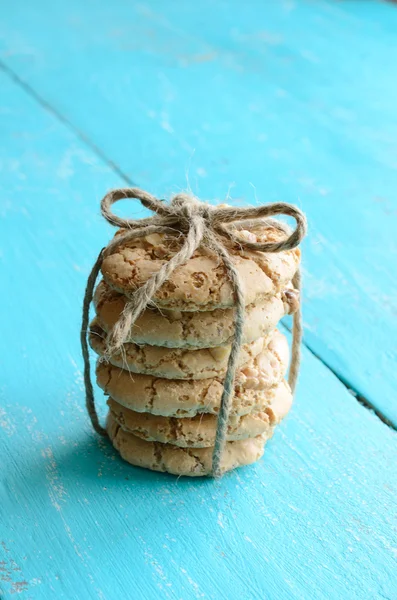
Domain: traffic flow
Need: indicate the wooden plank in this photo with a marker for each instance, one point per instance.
(296, 99)
(315, 518)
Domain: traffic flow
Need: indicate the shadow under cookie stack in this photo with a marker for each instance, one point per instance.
(165, 384)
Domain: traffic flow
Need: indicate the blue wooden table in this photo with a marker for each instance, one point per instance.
(262, 100)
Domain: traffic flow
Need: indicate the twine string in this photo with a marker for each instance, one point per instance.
(199, 224)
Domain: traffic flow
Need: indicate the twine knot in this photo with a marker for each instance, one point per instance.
(200, 224)
(184, 208)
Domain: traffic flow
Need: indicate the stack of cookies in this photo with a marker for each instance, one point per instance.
(165, 384)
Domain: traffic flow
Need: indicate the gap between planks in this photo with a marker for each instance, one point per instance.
(361, 399)
(28, 89)
(51, 109)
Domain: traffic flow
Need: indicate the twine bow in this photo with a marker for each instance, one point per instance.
(201, 225)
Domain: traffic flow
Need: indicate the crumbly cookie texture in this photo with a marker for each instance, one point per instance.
(202, 282)
(200, 431)
(192, 462)
(186, 329)
(173, 363)
(258, 385)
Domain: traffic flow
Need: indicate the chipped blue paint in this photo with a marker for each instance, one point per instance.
(316, 518)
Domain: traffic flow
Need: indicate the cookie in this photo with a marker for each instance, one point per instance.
(258, 385)
(172, 363)
(192, 462)
(202, 283)
(200, 431)
(201, 329)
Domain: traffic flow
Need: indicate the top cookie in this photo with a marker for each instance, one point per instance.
(202, 283)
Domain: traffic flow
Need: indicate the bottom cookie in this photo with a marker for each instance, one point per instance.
(191, 462)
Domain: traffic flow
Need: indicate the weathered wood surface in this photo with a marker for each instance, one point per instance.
(316, 518)
(294, 98)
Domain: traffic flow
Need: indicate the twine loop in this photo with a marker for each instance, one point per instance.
(198, 224)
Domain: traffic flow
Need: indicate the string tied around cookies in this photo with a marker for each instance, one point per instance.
(197, 224)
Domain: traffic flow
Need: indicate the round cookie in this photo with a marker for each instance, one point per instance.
(192, 462)
(258, 385)
(172, 363)
(201, 329)
(202, 283)
(200, 431)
